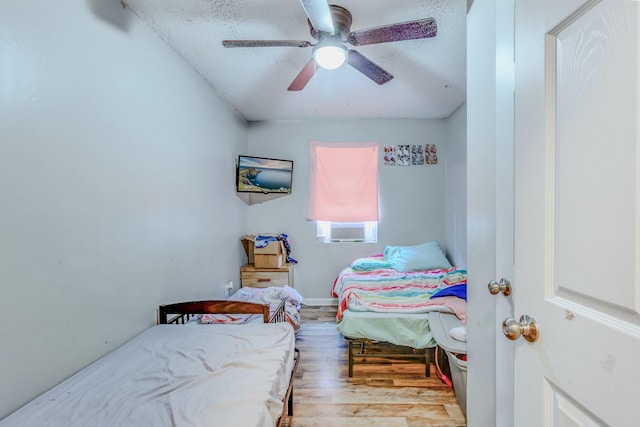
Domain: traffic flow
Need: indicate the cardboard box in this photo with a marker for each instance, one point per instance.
(269, 260)
(271, 256)
(249, 244)
(272, 248)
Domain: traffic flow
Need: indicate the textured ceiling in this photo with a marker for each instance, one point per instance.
(429, 74)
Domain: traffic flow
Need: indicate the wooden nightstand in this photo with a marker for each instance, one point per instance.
(265, 277)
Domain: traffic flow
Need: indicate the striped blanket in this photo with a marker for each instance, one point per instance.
(391, 291)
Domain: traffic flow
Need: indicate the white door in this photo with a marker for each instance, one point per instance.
(577, 212)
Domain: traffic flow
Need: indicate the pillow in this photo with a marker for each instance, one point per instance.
(427, 256)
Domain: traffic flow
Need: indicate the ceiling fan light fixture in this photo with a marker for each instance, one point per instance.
(330, 56)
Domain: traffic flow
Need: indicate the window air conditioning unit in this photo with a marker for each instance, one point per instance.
(347, 232)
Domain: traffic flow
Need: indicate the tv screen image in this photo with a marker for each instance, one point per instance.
(264, 175)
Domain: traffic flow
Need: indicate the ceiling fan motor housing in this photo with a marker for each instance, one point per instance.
(342, 20)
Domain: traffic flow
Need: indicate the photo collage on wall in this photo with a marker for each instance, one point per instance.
(407, 155)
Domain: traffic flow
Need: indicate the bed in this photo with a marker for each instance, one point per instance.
(176, 373)
(383, 305)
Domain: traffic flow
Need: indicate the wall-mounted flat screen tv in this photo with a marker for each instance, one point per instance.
(264, 175)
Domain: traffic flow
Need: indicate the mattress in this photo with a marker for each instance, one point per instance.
(184, 375)
(407, 329)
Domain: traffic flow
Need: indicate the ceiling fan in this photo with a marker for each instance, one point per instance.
(330, 25)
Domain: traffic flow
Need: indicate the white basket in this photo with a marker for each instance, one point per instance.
(458, 370)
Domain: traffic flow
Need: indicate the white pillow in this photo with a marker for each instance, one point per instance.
(427, 256)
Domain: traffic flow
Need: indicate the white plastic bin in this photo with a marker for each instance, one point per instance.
(441, 324)
(458, 370)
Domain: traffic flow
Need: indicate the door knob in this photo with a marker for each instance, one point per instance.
(526, 327)
(504, 286)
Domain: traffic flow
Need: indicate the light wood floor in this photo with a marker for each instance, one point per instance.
(378, 395)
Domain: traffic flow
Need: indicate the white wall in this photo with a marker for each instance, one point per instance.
(456, 187)
(412, 202)
(116, 172)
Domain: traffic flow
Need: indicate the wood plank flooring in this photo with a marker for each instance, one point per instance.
(387, 393)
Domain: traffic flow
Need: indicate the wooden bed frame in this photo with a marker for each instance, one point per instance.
(183, 311)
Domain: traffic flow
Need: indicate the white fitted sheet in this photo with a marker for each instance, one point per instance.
(176, 375)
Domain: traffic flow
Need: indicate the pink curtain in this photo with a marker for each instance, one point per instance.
(343, 181)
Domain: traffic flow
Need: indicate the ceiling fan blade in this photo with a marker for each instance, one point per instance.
(420, 29)
(303, 77)
(266, 43)
(319, 15)
(368, 68)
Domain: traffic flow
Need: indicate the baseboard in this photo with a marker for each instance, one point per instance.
(321, 301)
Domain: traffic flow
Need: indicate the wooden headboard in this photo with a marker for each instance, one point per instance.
(184, 311)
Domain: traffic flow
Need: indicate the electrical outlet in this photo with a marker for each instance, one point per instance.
(228, 287)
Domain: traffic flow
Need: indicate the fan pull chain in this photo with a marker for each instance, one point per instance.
(346, 85)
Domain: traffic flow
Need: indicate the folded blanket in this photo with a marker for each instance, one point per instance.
(459, 291)
(387, 290)
(370, 263)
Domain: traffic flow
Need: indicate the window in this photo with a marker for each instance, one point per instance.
(343, 190)
(347, 231)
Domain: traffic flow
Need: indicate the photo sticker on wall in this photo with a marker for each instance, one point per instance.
(403, 155)
(431, 154)
(390, 155)
(417, 155)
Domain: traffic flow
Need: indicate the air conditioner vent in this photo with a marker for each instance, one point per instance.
(365, 232)
(347, 234)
